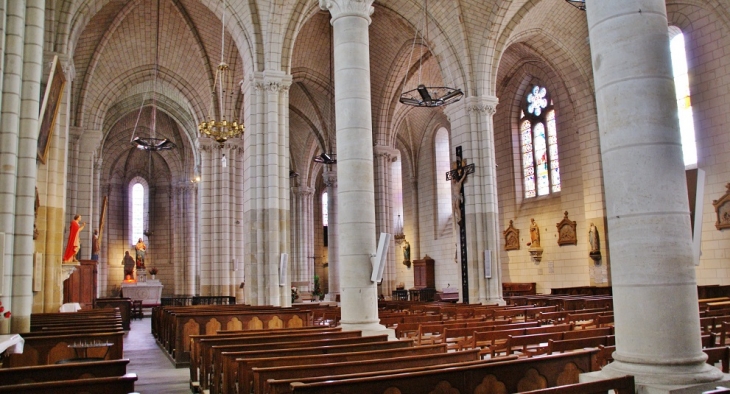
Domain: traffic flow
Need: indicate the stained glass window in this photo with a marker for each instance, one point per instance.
(137, 212)
(539, 147)
(684, 104)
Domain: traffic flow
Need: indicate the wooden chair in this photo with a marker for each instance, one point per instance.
(137, 309)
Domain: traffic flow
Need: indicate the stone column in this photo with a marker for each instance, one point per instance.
(302, 237)
(355, 194)
(27, 168)
(654, 285)
(208, 280)
(9, 132)
(236, 219)
(415, 239)
(472, 128)
(220, 212)
(85, 198)
(384, 217)
(333, 250)
(190, 240)
(266, 196)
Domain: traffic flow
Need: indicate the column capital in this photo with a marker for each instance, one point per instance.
(268, 81)
(205, 144)
(342, 8)
(303, 191)
(67, 64)
(482, 104)
(387, 152)
(330, 178)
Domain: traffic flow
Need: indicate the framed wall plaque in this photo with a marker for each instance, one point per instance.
(49, 108)
(722, 210)
(566, 231)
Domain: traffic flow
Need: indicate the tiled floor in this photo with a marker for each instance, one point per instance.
(154, 370)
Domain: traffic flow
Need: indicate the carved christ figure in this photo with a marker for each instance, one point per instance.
(456, 197)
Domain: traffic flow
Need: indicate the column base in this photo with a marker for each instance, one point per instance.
(642, 388)
(492, 301)
(652, 379)
(369, 329)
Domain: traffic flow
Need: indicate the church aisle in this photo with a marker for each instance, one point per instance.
(154, 370)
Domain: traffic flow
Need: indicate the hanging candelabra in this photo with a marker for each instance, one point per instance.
(221, 129)
(423, 95)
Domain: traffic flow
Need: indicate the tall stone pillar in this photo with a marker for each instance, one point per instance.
(208, 273)
(355, 194)
(27, 168)
(185, 283)
(220, 212)
(472, 128)
(654, 285)
(333, 250)
(266, 197)
(185, 240)
(413, 231)
(384, 157)
(302, 235)
(9, 133)
(86, 196)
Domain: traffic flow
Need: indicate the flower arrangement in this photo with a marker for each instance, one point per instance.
(294, 293)
(5, 314)
(317, 292)
(152, 271)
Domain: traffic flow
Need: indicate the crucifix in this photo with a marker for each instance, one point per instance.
(457, 176)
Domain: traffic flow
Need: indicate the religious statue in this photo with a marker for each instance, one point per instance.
(74, 240)
(534, 234)
(140, 251)
(406, 252)
(594, 239)
(456, 197)
(129, 264)
(95, 246)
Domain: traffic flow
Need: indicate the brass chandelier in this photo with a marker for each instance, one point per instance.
(221, 129)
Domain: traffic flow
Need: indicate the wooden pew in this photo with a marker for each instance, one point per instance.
(529, 345)
(262, 375)
(44, 350)
(495, 342)
(211, 349)
(195, 358)
(123, 304)
(184, 324)
(564, 345)
(214, 365)
(719, 355)
(284, 385)
(45, 373)
(514, 375)
(622, 385)
(109, 385)
(334, 355)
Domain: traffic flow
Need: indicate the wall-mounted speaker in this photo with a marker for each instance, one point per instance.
(381, 258)
(283, 269)
(487, 264)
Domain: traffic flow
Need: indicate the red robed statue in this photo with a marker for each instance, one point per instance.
(74, 240)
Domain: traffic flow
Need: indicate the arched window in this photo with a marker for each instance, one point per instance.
(137, 211)
(539, 144)
(396, 179)
(684, 104)
(325, 216)
(443, 187)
